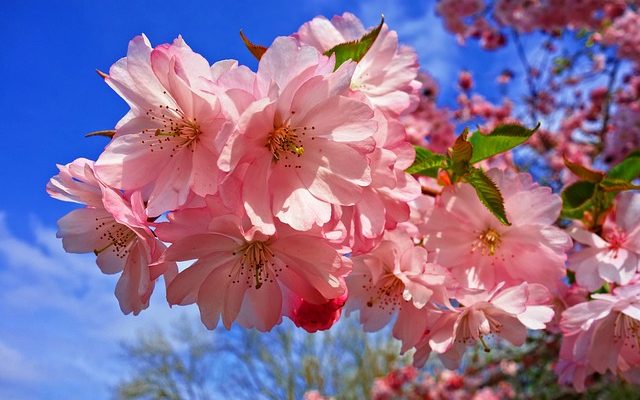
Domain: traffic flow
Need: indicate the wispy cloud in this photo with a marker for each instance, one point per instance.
(62, 325)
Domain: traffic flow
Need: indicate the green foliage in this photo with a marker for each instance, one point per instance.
(503, 138)
(458, 162)
(628, 169)
(584, 173)
(576, 199)
(355, 49)
(488, 193)
(427, 163)
(595, 192)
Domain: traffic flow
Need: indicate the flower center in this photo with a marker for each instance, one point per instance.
(489, 241)
(283, 141)
(469, 332)
(118, 236)
(627, 329)
(177, 132)
(387, 292)
(256, 257)
(616, 240)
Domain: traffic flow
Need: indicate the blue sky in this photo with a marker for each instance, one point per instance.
(59, 323)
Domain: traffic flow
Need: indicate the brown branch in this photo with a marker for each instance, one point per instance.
(606, 112)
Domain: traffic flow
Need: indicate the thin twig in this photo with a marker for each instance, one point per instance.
(606, 113)
(533, 92)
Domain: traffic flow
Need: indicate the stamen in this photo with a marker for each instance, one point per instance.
(284, 140)
(257, 257)
(486, 348)
(388, 293)
(177, 131)
(118, 236)
(488, 241)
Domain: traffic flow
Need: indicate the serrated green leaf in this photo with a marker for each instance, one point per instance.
(628, 169)
(583, 172)
(577, 198)
(488, 193)
(257, 50)
(426, 163)
(355, 49)
(502, 138)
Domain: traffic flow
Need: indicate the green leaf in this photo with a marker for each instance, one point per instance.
(355, 49)
(577, 198)
(583, 172)
(426, 163)
(617, 185)
(488, 193)
(628, 169)
(257, 50)
(501, 139)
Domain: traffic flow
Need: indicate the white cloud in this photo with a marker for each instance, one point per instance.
(15, 367)
(61, 324)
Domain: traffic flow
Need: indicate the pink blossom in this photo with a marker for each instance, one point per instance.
(384, 201)
(241, 274)
(317, 317)
(504, 312)
(314, 395)
(168, 144)
(421, 209)
(387, 72)
(624, 136)
(396, 278)
(429, 125)
(602, 334)
(465, 80)
(624, 33)
(615, 257)
(115, 229)
(304, 148)
(481, 251)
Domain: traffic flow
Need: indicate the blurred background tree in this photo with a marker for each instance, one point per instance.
(286, 363)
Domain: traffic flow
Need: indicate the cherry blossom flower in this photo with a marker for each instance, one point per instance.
(303, 149)
(317, 317)
(615, 257)
(168, 144)
(602, 335)
(504, 312)
(115, 229)
(481, 251)
(384, 202)
(243, 275)
(387, 72)
(396, 278)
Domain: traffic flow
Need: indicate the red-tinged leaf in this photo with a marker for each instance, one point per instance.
(106, 133)
(257, 50)
(583, 172)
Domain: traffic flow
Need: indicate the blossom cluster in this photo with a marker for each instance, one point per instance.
(286, 189)
(267, 179)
